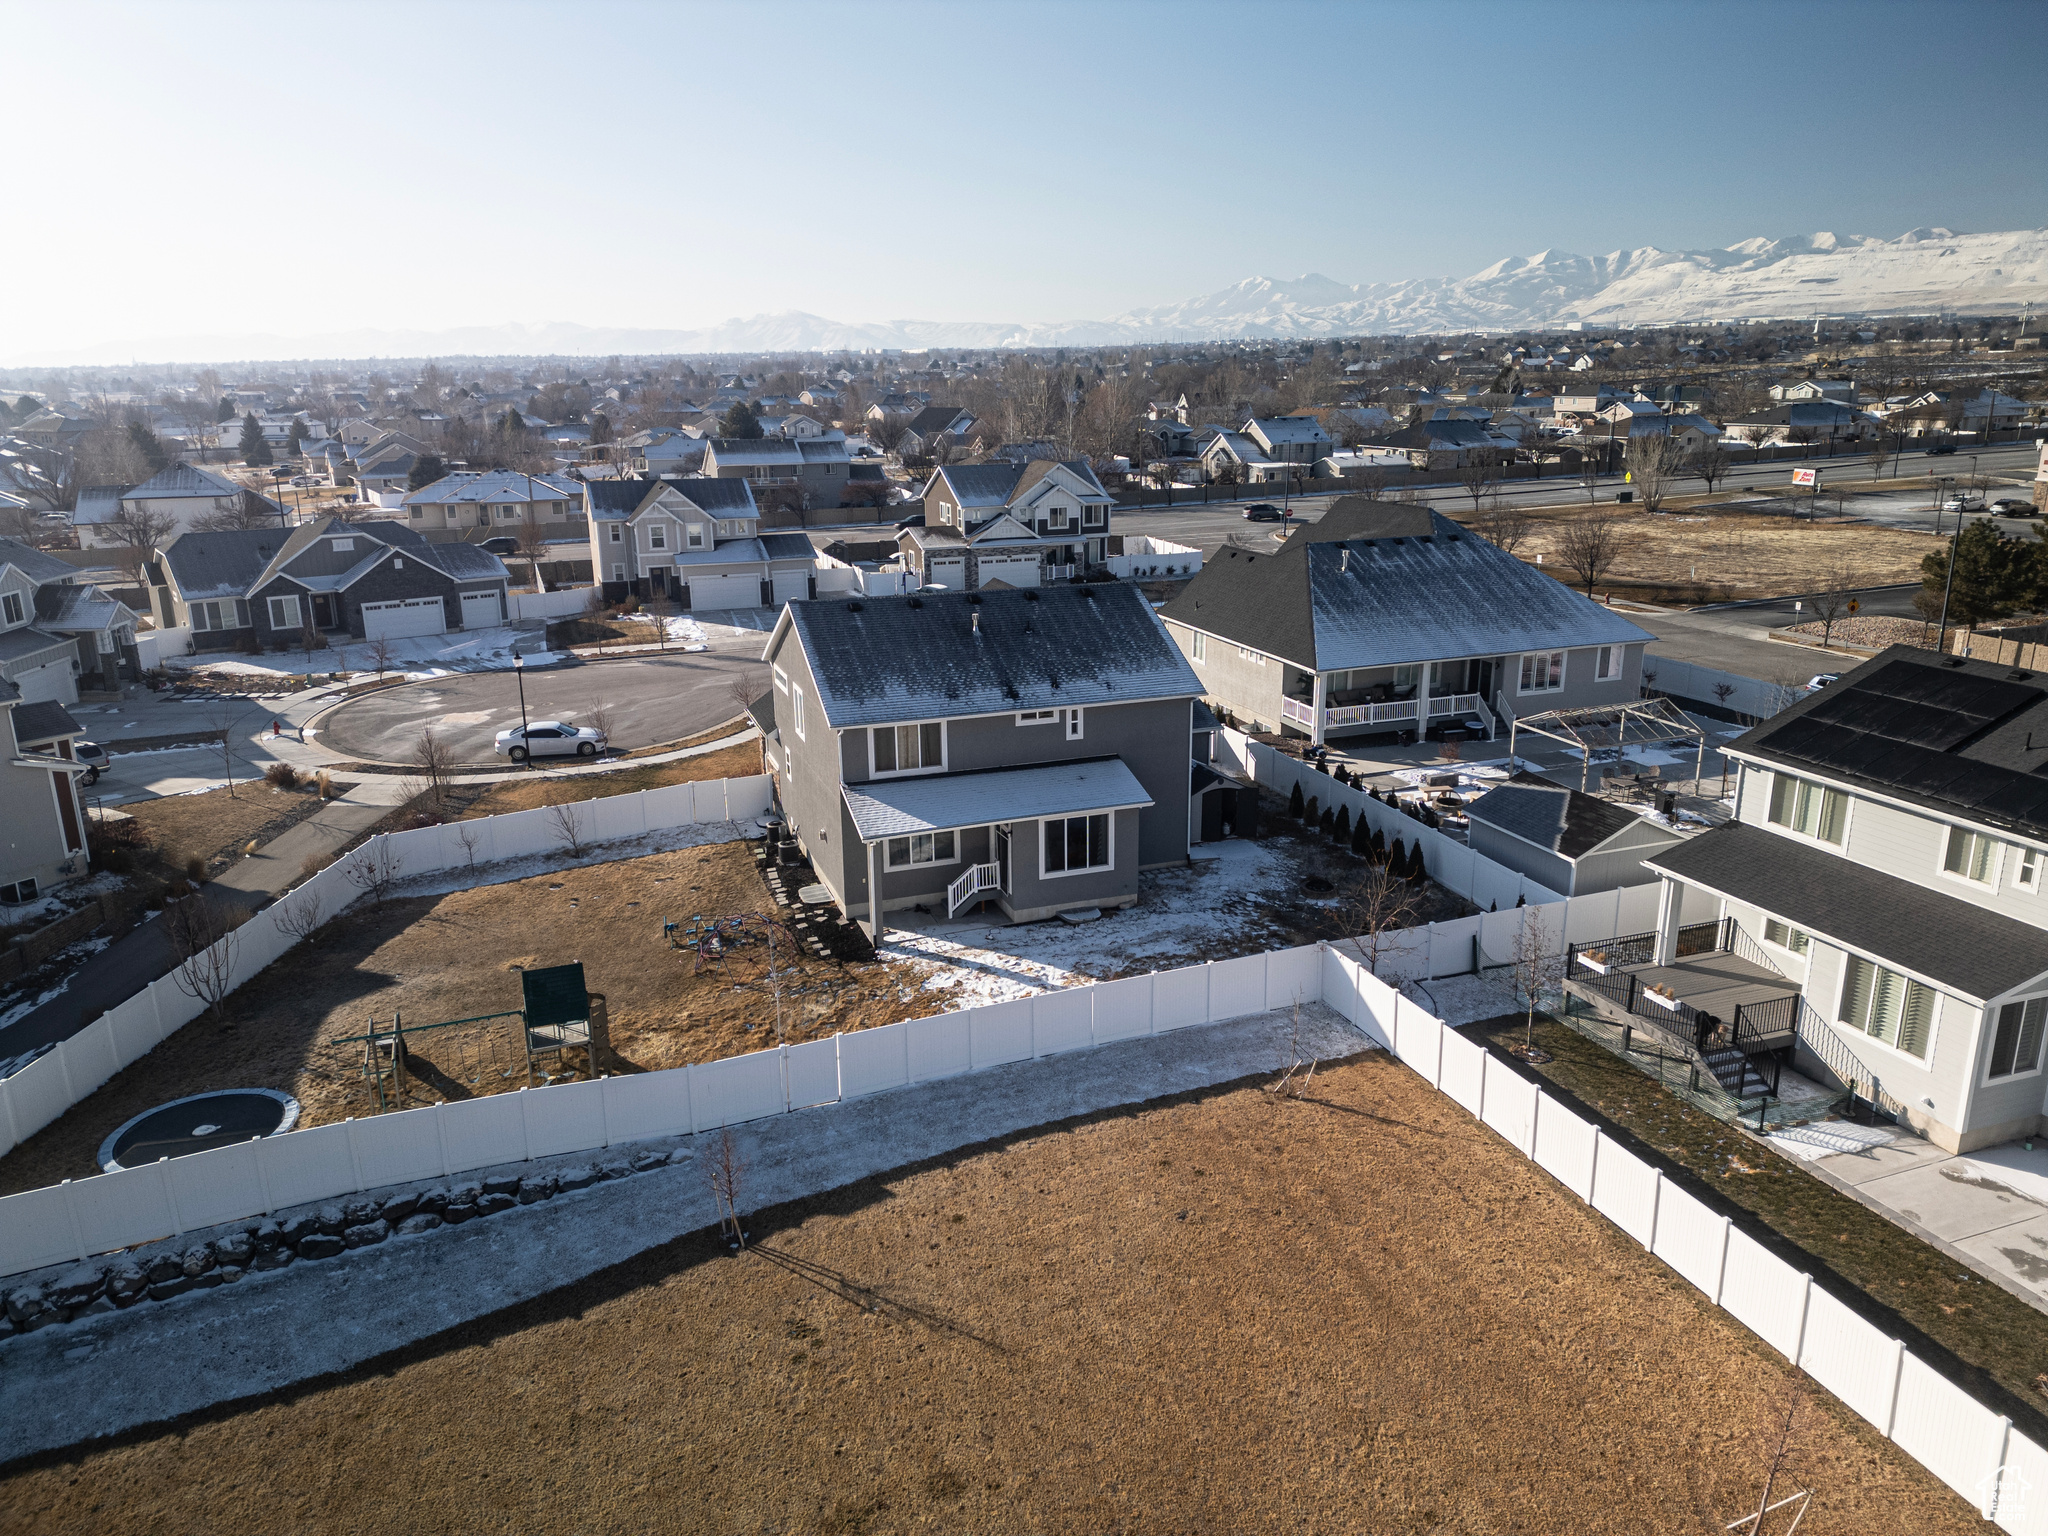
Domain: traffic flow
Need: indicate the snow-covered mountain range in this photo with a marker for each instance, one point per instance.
(1922, 271)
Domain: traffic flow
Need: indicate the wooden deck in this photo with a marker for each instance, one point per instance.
(1714, 984)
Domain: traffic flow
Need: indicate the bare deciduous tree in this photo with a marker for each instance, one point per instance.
(1589, 474)
(565, 822)
(1835, 584)
(1653, 463)
(726, 1172)
(600, 715)
(434, 760)
(1710, 462)
(380, 656)
(1536, 965)
(203, 937)
(1506, 526)
(1374, 909)
(466, 834)
(1589, 546)
(220, 716)
(299, 915)
(372, 869)
(1480, 479)
(136, 531)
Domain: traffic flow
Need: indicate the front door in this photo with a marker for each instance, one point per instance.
(1003, 857)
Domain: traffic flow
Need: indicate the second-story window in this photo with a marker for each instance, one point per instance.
(1810, 809)
(1971, 855)
(796, 709)
(909, 748)
(657, 536)
(12, 610)
(1201, 646)
(615, 533)
(2026, 873)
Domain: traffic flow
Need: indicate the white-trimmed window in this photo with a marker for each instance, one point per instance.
(1542, 671)
(657, 536)
(1810, 809)
(1971, 856)
(1095, 517)
(1199, 646)
(344, 546)
(1072, 845)
(1244, 653)
(2026, 869)
(284, 612)
(618, 572)
(618, 533)
(694, 535)
(918, 748)
(1056, 516)
(922, 848)
(781, 680)
(2016, 1038)
(1074, 725)
(1886, 1006)
(1038, 717)
(12, 609)
(1607, 663)
(796, 709)
(1785, 936)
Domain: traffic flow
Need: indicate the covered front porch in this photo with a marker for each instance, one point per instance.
(1412, 700)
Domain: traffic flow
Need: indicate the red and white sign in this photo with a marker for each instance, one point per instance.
(1806, 477)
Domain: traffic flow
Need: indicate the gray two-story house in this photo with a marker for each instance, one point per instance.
(1020, 524)
(1881, 893)
(696, 540)
(1027, 747)
(1391, 620)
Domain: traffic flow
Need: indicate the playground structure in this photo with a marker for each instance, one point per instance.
(559, 1016)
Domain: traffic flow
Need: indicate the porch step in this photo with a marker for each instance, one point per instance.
(1736, 1073)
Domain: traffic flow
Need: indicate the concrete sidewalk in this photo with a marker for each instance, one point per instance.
(151, 1364)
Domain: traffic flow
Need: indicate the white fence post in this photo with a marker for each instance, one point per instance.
(1994, 1481)
(163, 1174)
(1721, 1266)
(262, 1174)
(1805, 1307)
(1891, 1409)
(71, 1210)
(355, 1163)
(1656, 1205)
(1535, 1109)
(441, 1138)
(1593, 1165)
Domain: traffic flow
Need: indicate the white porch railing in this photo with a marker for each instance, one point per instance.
(979, 878)
(1301, 714)
(1369, 714)
(1050, 572)
(1454, 704)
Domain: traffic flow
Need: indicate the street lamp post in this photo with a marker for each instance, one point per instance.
(519, 672)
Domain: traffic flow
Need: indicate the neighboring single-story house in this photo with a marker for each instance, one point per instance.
(1574, 843)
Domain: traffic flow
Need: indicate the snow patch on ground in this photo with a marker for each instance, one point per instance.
(468, 650)
(1178, 920)
(1461, 1000)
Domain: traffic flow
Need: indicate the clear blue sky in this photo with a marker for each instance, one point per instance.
(301, 167)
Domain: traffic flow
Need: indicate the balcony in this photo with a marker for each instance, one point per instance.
(1732, 1016)
(1393, 713)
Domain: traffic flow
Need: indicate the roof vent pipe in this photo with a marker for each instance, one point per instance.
(1343, 558)
(976, 617)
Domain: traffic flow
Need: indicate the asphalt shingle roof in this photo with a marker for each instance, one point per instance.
(1945, 939)
(33, 563)
(920, 657)
(1552, 816)
(183, 480)
(44, 722)
(947, 802)
(1376, 584)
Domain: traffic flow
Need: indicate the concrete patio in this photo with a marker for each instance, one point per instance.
(1988, 1209)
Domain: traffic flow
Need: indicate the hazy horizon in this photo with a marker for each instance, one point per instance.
(317, 170)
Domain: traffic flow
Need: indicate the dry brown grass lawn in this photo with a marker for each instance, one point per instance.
(733, 762)
(205, 824)
(1738, 554)
(1218, 1314)
(459, 956)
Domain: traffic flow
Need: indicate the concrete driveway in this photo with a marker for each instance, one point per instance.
(652, 699)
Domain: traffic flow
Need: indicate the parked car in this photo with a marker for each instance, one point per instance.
(1815, 684)
(2012, 506)
(303, 480)
(1963, 503)
(1264, 512)
(1941, 448)
(915, 520)
(93, 755)
(550, 738)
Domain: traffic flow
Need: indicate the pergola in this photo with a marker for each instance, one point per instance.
(1596, 727)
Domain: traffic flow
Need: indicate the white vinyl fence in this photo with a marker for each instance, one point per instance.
(1687, 680)
(1145, 556)
(1971, 1449)
(1455, 866)
(549, 605)
(44, 1089)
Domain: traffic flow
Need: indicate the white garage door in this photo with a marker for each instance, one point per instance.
(792, 587)
(708, 592)
(480, 610)
(52, 683)
(405, 618)
(1017, 570)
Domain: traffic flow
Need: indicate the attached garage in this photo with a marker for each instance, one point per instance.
(404, 619)
(52, 683)
(1017, 570)
(708, 592)
(792, 587)
(482, 610)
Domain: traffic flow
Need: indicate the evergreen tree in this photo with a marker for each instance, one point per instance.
(1996, 576)
(1361, 839)
(1397, 858)
(1294, 802)
(426, 469)
(255, 447)
(1343, 833)
(1417, 870)
(1328, 825)
(225, 411)
(1379, 846)
(26, 407)
(149, 445)
(1374, 792)
(739, 421)
(1312, 817)
(1521, 901)
(295, 438)
(511, 423)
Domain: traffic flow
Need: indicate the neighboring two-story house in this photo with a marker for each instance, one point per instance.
(1296, 440)
(1030, 748)
(937, 427)
(372, 580)
(59, 634)
(1385, 619)
(42, 822)
(814, 467)
(696, 540)
(184, 493)
(1885, 873)
(1022, 524)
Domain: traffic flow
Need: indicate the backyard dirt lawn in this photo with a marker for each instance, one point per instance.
(459, 956)
(1224, 1312)
(736, 762)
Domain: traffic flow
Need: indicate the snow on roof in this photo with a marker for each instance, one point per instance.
(898, 807)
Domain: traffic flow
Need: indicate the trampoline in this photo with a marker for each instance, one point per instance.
(198, 1124)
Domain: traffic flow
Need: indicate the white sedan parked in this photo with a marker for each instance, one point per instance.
(550, 738)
